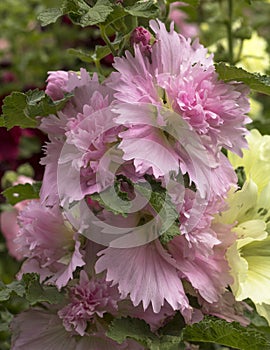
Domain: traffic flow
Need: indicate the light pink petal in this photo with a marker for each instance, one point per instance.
(61, 278)
(147, 274)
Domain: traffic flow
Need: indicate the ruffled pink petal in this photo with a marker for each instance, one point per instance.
(147, 274)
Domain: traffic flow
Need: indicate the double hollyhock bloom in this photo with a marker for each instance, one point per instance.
(162, 116)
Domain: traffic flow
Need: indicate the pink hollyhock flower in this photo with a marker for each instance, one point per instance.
(83, 88)
(86, 157)
(180, 76)
(180, 19)
(49, 244)
(49, 334)
(88, 299)
(77, 144)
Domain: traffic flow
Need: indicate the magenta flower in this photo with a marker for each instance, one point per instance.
(88, 299)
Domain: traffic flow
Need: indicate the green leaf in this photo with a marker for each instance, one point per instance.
(113, 200)
(162, 204)
(21, 109)
(170, 233)
(84, 15)
(6, 291)
(97, 14)
(255, 81)
(21, 192)
(50, 16)
(5, 319)
(146, 9)
(139, 330)
(2, 122)
(37, 293)
(217, 331)
(14, 111)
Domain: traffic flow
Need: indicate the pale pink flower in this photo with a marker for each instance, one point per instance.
(88, 299)
(84, 159)
(181, 76)
(49, 243)
(78, 157)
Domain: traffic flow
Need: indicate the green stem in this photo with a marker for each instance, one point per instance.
(98, 66)
(134, 20)
(239, 51)
(229, 30)
(107, 40)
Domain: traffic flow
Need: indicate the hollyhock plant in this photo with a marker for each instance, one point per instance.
(97, 136)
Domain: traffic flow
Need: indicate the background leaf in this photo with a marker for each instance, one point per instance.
(18, 193)
(255, 81)
(218, 331)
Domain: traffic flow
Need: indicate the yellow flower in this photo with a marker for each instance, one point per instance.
(249, 256)
(256, 109)
(255, 160)
(254, 57)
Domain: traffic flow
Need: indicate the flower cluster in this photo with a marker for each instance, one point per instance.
(132, 218)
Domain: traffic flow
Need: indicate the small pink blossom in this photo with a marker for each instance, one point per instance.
(142, 37)
(88, 299)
